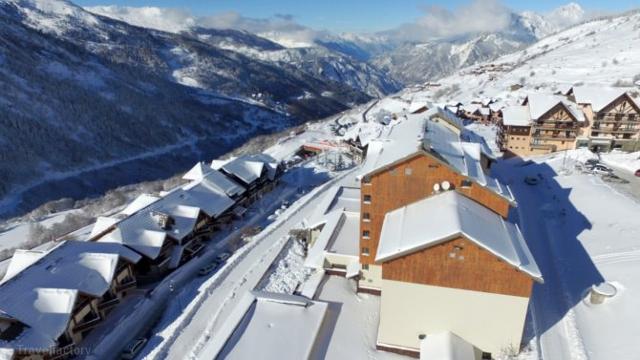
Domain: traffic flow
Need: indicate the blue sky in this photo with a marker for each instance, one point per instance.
(348, 15)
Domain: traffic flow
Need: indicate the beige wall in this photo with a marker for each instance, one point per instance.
(333, 259)
(491, 322)
(372, 278)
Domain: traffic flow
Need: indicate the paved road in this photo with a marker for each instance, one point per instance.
(632, 187)
(106, 343)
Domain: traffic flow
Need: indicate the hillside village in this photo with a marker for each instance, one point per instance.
(478, 221)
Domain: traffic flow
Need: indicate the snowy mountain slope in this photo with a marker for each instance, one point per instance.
(413, 63)
(600, 52)
(82, 93)
(319, 62)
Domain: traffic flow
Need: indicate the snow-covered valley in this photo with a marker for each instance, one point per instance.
(581, 228)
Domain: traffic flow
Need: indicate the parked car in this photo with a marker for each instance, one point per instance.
(222, 257)
(211, 268)
(602, 170)
(531, 180)
(591, 162)
(133, 348)
(637, 173)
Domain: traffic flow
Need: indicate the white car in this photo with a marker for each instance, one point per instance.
(134, 348)
(602, 170)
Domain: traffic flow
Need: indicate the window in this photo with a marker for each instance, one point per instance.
(365, 234)
(365, 266)
(393, 172)
(466, 183)
(366, 217)
(366, 180)
(367, 199)
(365, 251)
(408, 171)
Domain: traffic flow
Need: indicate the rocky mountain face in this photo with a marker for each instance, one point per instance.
(412, 63)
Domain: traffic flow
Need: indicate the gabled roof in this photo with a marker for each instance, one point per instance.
(445, 216)
(463, 157)
(218, 181)
(516, 116)
(42, 294)
(139, 203)
(102, 224)
(540, 104)
(438, 141)
(244, 169)
(197, 172)
(599, 97)
(143, 233)
(450, 117)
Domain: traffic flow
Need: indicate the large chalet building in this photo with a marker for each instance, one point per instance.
(601, 119)
(436, 245)
(613, 118)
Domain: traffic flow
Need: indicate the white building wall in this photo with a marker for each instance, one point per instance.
(490, 322)
(371, 278)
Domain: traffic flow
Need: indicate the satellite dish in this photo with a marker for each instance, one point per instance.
(436, 187)
(446, 185)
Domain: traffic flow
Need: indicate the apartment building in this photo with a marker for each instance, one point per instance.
(50, 300)
(613, 117)
(541, 125)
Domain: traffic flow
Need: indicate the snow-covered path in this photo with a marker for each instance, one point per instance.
(213, 310)
(581, 232)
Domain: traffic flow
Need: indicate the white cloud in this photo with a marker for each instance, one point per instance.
(165, 19)
(437, 22)
(279, 28)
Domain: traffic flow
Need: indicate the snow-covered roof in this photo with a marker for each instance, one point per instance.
(540, 104)
(45, 311)
(197, 172)
(205, 195)
(446, 346)
(277, 326)
(443, 217)
(516, 116)
(102, 224)
(417, 105)
(42, 295)
(249, 168)
(470, 108)
(139, 203)
(485, 111)
(218, 181)
(464, 157)
(21, 260)
(450, 117)
(142, 231)
(398, 141)
(598, 97)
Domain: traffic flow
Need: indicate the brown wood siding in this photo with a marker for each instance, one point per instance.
(471, 268)
(393, 188)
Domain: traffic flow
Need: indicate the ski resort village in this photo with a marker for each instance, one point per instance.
(493, 213)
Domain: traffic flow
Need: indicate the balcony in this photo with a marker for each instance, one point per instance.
(556, 137)
(127, 284)
(108, 304)
(556, 126)
(614, 130)
(88, 322)
(550, 147)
